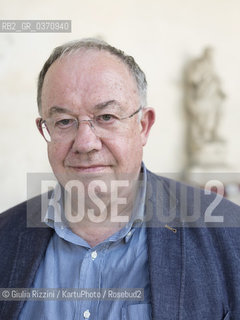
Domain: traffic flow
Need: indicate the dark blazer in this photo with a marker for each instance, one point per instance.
(194, 265)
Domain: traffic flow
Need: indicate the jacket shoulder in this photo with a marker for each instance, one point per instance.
(194, 206)
(18, 214)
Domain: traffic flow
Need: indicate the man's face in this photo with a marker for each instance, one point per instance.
(85, 84)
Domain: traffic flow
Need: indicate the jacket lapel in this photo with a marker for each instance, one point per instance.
(164, 248)
(27, 246)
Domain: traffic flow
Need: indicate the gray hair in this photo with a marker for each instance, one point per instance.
(95, 44)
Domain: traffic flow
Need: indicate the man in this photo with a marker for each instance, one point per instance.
(110, 223)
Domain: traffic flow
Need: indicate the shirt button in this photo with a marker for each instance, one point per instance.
(94, 255)
(86, 314)
(129, 234)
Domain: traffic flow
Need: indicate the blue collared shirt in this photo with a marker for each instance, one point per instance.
(121, 261)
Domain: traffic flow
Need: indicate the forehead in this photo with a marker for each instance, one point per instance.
(86, 78)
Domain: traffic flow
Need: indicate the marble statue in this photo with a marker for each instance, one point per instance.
(204, 99)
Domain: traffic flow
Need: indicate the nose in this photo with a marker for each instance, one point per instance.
(86, 140)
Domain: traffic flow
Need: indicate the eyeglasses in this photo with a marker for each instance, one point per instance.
(64, 127)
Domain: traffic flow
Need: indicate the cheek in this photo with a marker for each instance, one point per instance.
(56, 154)
(127, 151)
(135, 146)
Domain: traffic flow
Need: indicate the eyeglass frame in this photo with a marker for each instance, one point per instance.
(90, 121)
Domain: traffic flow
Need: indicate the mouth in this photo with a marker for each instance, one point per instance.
(89, 169)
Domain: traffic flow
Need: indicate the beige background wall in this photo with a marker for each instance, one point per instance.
(161, 34)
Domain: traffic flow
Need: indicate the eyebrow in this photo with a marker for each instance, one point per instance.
(105, 104)
(99, 106)
(56, 109)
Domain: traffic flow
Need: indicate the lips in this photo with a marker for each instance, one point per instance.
(91, 168)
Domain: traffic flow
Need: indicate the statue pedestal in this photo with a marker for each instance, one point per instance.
(200, 176)
(211, 154)
(210, 172)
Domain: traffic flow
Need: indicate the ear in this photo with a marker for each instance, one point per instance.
(40, 129)
(43, 130)
(38, 123)
(147, 120)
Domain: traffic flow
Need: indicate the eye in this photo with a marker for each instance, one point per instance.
(106, 118)
(64, 123)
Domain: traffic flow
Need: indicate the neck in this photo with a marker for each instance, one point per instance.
(96, 217)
